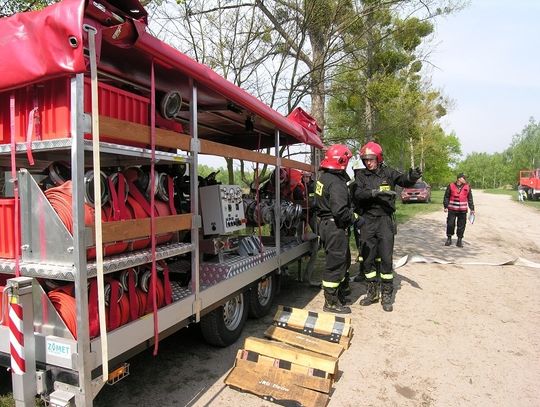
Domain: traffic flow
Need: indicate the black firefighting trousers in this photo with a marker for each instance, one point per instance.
(335, 242)
(451, 223)
(377, 235)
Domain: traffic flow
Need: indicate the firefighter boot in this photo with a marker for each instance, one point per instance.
(448, 241)
(386, 300)
(332, 303)
(343, 291)
(372, 295)
(459, 242)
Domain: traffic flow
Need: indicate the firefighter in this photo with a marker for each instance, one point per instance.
(457, 197)
(335, 213)
(374, 197)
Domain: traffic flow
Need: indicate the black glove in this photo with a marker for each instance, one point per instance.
(415, 174)
(377, 192)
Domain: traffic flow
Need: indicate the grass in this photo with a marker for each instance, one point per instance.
(7, 400)
(404, 212)
(513, 194)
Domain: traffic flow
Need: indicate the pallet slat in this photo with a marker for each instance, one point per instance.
(273, 384)
(289, 353)
(333, 328)
(264, 360)
(304, 341)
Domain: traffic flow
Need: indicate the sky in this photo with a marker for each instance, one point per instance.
(487, 60)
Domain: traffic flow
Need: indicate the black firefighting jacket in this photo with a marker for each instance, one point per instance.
(332, 198)
(382, 178)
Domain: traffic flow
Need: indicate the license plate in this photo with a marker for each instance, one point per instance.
(414, 198)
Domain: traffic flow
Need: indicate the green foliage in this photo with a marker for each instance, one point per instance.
(10, 7)
(409, 211)
(223, 175)
(378, 94)
(525, 147)
(501, 169)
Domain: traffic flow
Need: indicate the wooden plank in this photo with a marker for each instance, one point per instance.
(321, 322)
(326, 319)
(321, 325)
(304, 341)
(223, 150)
(321, 384)
(122, 130)
(263, 360)
(273, 384)
(289, 353)
(285, 162)
(135, 228)
(139, 133)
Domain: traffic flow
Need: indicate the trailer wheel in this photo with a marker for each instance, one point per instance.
(223, 326)
(261, 296)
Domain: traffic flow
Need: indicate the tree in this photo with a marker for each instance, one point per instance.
(526, 146)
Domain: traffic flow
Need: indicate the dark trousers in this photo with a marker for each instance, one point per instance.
(335, 242)
(451, 223)
(378, 241)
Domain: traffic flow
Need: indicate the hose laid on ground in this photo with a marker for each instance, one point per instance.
(415, 258)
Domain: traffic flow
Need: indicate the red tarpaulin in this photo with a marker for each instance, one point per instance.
(48, 43)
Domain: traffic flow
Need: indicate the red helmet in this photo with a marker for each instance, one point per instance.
(371, 150)
(337, 157)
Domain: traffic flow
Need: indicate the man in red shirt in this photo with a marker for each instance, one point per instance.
(457, 198)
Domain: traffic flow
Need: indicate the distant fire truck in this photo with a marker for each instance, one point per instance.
(110, 240)
(529, 182)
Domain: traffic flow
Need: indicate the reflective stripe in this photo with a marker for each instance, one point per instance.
(378, 259)
(371, 274)
(319, 188)
(389, 276)
(329, 284)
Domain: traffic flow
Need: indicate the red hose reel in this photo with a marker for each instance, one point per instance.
(123, 200)
(127, 298)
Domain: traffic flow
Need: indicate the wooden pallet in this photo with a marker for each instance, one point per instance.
(320, 325)
(300, 362)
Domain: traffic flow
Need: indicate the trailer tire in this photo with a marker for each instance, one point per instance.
(261, 296)
(223, 326)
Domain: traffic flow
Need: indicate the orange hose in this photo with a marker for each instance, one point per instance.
(66, 308)
(143, 298)
(124, 310)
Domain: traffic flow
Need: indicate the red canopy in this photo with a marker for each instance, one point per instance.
(49, 43)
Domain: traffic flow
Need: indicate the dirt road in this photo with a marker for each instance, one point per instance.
(460, 335)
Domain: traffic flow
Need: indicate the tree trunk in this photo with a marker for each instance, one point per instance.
(369, 120)
(411, 148)
(230, 170)
(422, 165)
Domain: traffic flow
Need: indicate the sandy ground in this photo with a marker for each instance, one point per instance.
(460, 335)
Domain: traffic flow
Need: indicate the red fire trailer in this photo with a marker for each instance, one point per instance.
(101, 127)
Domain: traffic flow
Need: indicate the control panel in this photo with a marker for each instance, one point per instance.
(222, 209)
